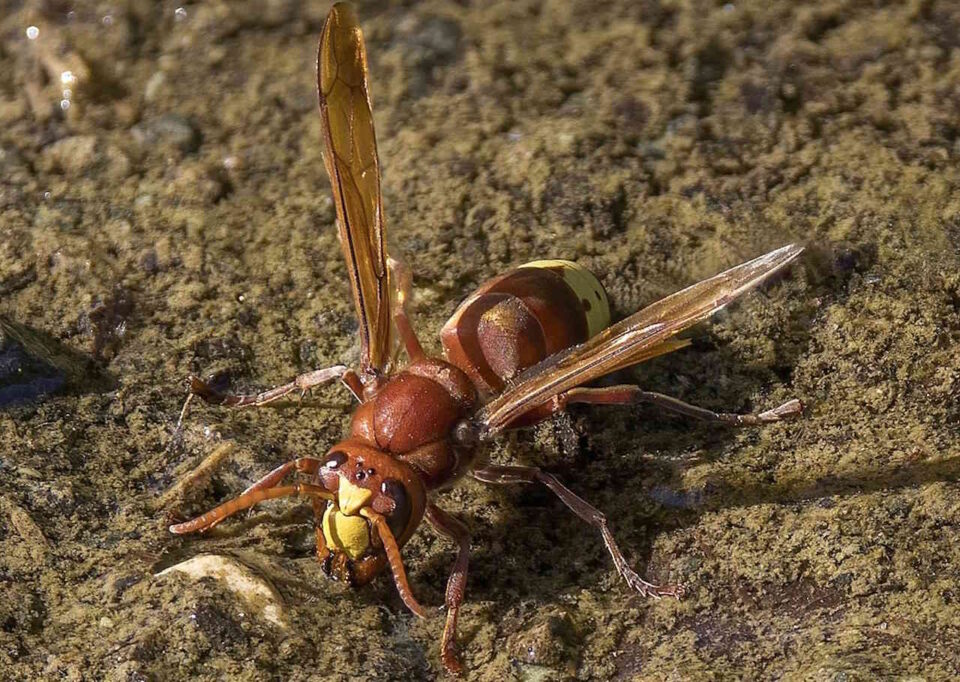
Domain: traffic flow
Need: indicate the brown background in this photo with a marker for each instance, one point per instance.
(176, 218)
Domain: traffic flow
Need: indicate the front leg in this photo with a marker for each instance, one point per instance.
(303, 465)
(453, 530)
(583, 509)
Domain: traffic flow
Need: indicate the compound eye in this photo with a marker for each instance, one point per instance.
(400, 516)
(394, 489)
(335, 460)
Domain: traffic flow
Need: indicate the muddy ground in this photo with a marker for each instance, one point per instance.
(165, 211)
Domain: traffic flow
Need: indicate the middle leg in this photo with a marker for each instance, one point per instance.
(454, 530)
(302, 384)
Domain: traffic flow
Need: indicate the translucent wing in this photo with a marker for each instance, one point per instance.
(643, 335)
(354, 169)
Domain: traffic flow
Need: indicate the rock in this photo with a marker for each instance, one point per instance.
(71, 155)
(34, 544)
(108, 320)
(13, 167)
(196, 183)
(167, 131)
(154, 83)
(260, 595)
(117, 163)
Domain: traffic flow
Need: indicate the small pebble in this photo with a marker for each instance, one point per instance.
(71, 155)
(167, 130)
(262, 597)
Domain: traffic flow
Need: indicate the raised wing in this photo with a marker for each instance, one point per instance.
(643, 335)
(354, 170)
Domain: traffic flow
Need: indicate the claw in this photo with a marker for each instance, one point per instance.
(789, 410)
(204, 391)
(650, 589)
(450, 662)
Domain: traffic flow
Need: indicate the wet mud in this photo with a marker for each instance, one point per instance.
(164, 211)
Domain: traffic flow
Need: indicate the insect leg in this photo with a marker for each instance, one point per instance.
(301, 383)
(245, 501)
(409, 337)
(353, 382)
(454, 530)
(583, 509)
(628, 394)
(401, 280)
(302, 465)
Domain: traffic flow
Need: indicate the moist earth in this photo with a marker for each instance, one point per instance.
(164, 211)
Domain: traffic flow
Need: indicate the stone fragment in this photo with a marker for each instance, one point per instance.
(259, 594)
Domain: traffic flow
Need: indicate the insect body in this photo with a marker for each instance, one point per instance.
(518, 319)
(517, 350)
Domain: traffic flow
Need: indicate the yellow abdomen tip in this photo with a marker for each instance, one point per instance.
(587, 288)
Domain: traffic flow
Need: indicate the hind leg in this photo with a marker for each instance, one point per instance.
(587, 512)
(628, 394)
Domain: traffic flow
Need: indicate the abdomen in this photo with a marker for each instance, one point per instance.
(514, 321)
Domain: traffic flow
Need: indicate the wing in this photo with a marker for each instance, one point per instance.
(354, 170)
(643, 335)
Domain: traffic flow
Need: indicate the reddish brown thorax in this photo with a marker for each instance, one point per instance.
(412, 417)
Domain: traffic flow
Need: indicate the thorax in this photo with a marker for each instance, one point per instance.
(412, 417)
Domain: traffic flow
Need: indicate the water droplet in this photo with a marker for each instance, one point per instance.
(64, 104)
(180, 13)
(67, 77)
(241, 298)
(67, 93)
(107, 20)
(32, 32)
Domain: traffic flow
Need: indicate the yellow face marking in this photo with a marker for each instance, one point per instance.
(352, 497)
(587, 288)
(349, 534)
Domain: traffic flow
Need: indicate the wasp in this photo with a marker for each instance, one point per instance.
(519, 349)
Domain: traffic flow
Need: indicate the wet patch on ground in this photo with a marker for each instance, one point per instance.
(164, 211)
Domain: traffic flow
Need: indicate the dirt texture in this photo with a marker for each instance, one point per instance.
(164, 211)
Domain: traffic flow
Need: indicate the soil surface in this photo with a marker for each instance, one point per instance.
(164, 211)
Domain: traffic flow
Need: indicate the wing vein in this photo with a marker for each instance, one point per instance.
(639, 337)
